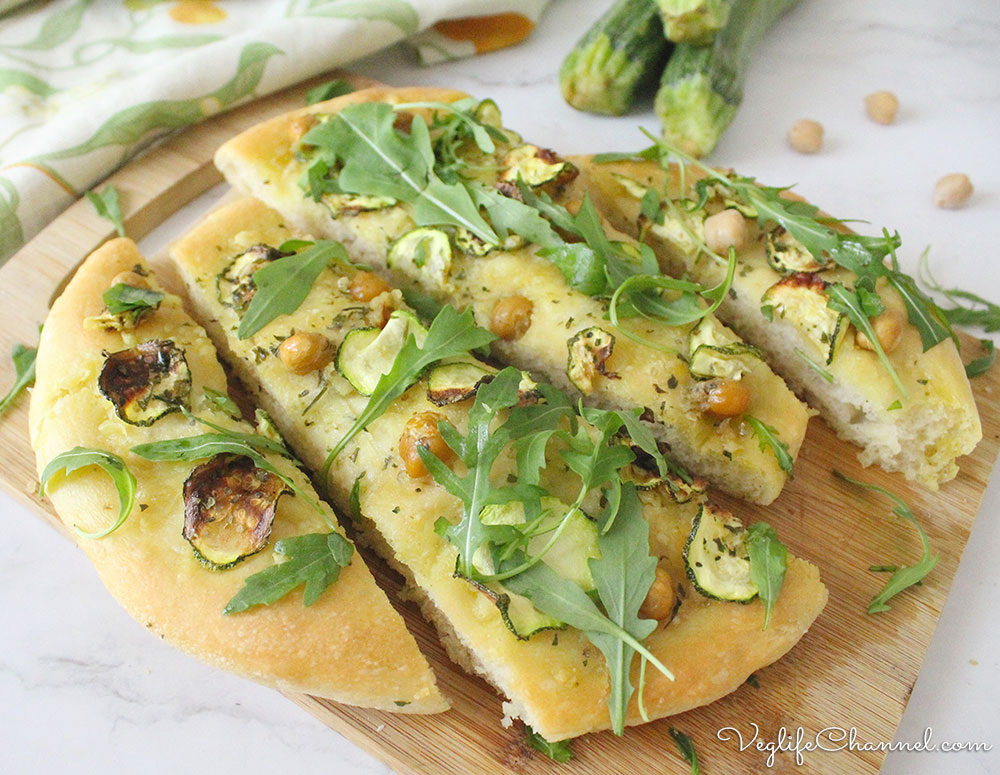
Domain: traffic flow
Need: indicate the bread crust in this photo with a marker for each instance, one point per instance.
(261, 162)
(557, 683)
(350, 646)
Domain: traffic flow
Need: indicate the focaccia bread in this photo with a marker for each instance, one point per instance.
(557, 682)
(350, 645)
(563, 333)
(779, 304)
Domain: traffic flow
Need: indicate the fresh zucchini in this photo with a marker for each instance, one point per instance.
(450, 383)
(694, 21)
(702, 86)
(368, 353)
(615, 56)
(717, 558)
(714, 351)
(801, 299)
(424, 255)
(589, 349)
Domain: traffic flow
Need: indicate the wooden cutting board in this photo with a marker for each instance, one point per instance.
(850, 670)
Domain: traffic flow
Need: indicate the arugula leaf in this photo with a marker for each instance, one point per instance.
(354, 500)
(314, 560)
(686, 747)
(812, 364)
(768, 438)
(190, 448)
(841, 299)
(478, 450)
(122, 298)
(327, 91)
(283, 284)
(904, 576)
(450, 334)
(561, 599)
(107, 206)
(559, 752)
(623, 575)
(378, 160)
(973, 368)
(223, 402)
(24, 374)
(480, 133)
(81, 457)
(768, 563)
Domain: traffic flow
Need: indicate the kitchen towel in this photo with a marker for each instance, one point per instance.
(86, 84)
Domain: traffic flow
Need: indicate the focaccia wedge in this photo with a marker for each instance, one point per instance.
(113, 380)
(552, 312)
(557, 682)
(918, 426)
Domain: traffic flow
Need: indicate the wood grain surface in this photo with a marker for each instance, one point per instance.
(850, 670)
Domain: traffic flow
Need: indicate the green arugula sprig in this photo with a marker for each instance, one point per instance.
(108, 207)
(121, 298)
(81, 457)
(283, 284)
(768, 563)
(560, 751)
(904, 576)
(768, 438)
(24, 374)
(338, 87)
(686, 748)
(979, 366)
(450, 334)
(314, 560)
(375, 159)
(223, 402)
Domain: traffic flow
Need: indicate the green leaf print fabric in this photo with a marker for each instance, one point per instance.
(87, 84)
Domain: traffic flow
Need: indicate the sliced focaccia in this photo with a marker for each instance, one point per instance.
(121, 365)
(916, 415)
(552, 675)
(721, 410)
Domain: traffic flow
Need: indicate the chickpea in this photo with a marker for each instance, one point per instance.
(888, 330)
(511, 317)
(952, 191)
(133, 279)
(881, 107)
(806, 135)
(725, 229)
(299, 126)
(365, 286)
(303, 353)
(725, 397)
(421, 430)
(662, 597)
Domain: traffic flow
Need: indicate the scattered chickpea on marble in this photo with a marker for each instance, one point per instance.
(806, 135)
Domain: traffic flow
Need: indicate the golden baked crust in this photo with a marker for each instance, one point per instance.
(350, 646)
(920, 436)
(261, 162)
(558, 685)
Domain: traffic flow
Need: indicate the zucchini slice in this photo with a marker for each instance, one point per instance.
(229, 506)
(368, 353)
(786, 254)
(518, 613)
(235, 286)
(450, 383)
(472, 245)
(716, 556)
(801, 299)
(423, 254)
(146, 382)
(679, 491)
(589, 349)
(341, 205)
(535, 166)
(714, 351)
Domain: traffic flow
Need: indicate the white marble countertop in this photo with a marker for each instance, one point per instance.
(83, 689)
